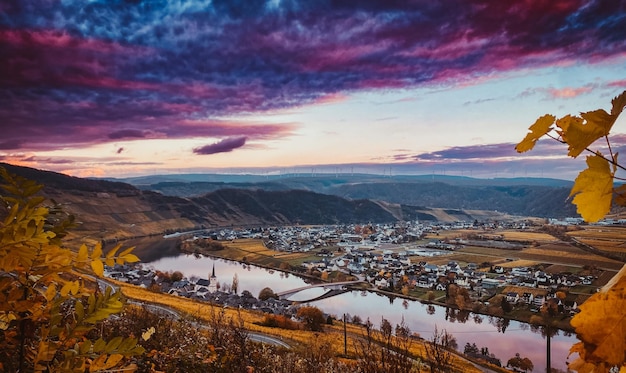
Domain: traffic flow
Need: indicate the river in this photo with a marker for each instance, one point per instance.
(503, 339)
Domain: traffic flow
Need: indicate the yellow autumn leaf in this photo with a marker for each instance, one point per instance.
(113, 251)
(70, 287)
(127, 251)
(113, 360)
(579, 133)
(593, 189)
(541, 126)
(51, 292)
(98, 363)
(601, 326)
(130, 258)
(83, 253)
(97, 251)
(46, 351)
(5, 320)
(97, 267)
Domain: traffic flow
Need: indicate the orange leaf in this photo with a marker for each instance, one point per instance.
(601, 325)
(541, 126)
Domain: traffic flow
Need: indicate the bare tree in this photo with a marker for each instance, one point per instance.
(234, 287)
(439, 351)
(382, 351)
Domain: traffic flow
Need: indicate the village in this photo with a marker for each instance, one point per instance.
(393, 259)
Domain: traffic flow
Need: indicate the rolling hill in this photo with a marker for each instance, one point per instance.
(112, 210)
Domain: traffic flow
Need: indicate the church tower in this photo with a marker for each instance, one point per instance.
(213, 281)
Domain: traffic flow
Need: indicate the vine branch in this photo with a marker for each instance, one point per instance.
(611, 161)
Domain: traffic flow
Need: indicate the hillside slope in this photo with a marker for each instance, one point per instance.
(525, 197)
(108, 210)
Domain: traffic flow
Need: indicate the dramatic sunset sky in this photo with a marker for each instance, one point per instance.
(124, 88)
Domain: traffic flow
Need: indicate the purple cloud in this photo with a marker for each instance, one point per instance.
(222, 146)
(122, 134)
(11, 144)
(65, 82)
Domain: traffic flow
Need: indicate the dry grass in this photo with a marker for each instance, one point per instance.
(254, 251)
(519, 263)
(515, 235)
(603, 232)
(332, 335)
(611, 240)
(450, 234)
(564, 255)
(253, 246)
(617, 246)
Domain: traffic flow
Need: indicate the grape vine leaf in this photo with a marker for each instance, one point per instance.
(579, 132)
(593, 189)
(601, 327)
(541, 126)
(618, 104)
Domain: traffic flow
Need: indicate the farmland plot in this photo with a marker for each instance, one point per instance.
(525, 236)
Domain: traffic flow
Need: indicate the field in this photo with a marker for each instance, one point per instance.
(254, 251)
(507, 235)
(608, 239)
(554, 255)
(551, 253)
(526, 236)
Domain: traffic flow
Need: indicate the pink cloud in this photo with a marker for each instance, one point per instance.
(618, 83)
(56, 58)
(568, 92)
(331, 99)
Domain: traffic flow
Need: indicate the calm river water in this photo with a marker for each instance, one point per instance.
(485, 331)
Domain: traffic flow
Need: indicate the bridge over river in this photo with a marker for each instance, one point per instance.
(333, 288)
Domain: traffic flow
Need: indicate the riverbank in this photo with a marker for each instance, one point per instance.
(502, 337)
(333, 334)
(255, 253)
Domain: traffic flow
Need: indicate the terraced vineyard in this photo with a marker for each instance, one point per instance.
(607, 239)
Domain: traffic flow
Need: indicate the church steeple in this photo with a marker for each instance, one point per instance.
(213, 281)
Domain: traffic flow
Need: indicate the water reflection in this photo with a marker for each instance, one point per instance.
(502, 337)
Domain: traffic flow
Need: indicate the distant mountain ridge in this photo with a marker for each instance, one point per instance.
(540, 197)
(335, 178)
(113, 209)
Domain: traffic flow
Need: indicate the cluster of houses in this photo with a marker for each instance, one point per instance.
(208, 290)
(380, 254)
(391, 270)
(367, 236)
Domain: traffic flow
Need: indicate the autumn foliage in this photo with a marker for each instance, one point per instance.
(47, 304)
(601, 324)
(593, 188)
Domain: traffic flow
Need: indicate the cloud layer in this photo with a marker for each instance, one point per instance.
(75, 73)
